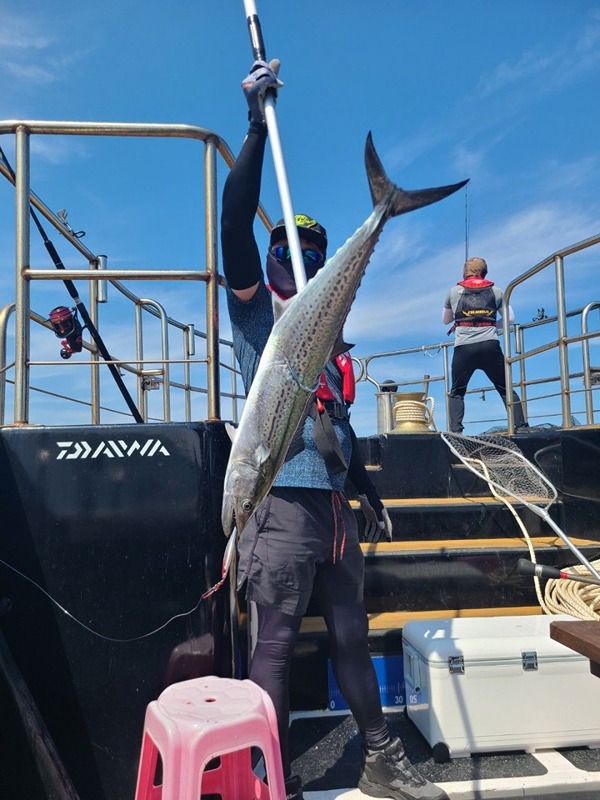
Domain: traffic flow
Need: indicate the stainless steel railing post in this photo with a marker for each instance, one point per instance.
(212, 286)
(563, 355)
(22, 291)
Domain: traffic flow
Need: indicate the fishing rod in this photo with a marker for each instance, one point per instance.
(51, 769)
(259, 54)
(525, 567)
(71, 344)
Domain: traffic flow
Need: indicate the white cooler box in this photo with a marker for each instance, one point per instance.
(498, 683)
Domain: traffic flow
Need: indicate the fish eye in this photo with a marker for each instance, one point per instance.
(246, 505)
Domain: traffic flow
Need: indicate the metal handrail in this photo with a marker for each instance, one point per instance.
(587, 369)
(97, 273)
(562, 342)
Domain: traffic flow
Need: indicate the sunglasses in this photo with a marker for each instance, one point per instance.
(311, 258)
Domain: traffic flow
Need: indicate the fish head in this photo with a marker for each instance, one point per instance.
(246, 484)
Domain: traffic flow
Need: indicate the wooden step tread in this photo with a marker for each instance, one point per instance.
(444, 545)
(395, 620)
(442, 502)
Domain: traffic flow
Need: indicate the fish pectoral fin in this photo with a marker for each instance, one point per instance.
(262, 454)
(231, 431)
(233, 534)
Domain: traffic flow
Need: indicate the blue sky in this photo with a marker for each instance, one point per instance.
(505, 94)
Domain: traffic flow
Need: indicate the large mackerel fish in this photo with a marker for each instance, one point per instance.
(306, 335)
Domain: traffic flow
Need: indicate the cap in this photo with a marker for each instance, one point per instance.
(308, 228)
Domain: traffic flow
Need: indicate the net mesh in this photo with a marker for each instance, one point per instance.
(502, 464)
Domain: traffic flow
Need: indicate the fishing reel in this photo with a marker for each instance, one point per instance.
(65, 323)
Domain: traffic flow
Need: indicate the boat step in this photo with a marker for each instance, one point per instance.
(459, 573)
(452, 502)
(396, 620)
(444, 546)
(421, 575)
(473, 517)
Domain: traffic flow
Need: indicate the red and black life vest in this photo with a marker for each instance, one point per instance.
(337, 390)
(476, 306)
(340, 389)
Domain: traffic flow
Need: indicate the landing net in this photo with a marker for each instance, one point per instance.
(503, 465)
(509, 474)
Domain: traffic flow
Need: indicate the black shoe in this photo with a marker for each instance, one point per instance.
(293, 788)
(388, 773)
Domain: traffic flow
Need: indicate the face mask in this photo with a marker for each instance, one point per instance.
(281, 275)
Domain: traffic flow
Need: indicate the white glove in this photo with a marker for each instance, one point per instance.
(375, 526)
(262, 76)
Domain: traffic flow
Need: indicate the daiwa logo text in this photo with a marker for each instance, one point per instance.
(111, 449)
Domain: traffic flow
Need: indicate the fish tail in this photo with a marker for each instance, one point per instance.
(399, 201)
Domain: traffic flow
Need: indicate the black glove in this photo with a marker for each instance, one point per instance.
(377, 522)
(262, 76)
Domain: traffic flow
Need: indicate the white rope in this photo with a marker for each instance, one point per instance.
(581, 600)
(415, 411)
(524, 531)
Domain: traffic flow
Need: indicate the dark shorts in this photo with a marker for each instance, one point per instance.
(299, 539)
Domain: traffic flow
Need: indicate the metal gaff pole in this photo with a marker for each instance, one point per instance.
(258, 51)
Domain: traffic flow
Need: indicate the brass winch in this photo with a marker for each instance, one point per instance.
(404, 412)
(412, 412)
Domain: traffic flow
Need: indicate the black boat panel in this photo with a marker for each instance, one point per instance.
(120, 525)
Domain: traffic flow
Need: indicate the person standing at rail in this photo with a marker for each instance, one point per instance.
(474, 305)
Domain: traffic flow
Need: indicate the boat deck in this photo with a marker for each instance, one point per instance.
(326, 752)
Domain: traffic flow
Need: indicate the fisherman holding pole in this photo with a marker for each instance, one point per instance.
(304, 537)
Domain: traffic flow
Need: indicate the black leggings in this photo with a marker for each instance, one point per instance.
(351, 661)
(488, 357)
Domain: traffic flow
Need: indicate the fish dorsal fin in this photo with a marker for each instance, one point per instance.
(340, 346)
(231, 431)
(280, 304)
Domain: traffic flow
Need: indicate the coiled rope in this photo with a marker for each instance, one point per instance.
(414, 411)
(581, 600)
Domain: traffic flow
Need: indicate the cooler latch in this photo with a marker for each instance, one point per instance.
(529, 660)
(456, 665)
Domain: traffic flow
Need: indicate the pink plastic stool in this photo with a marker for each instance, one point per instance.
(210, 720)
